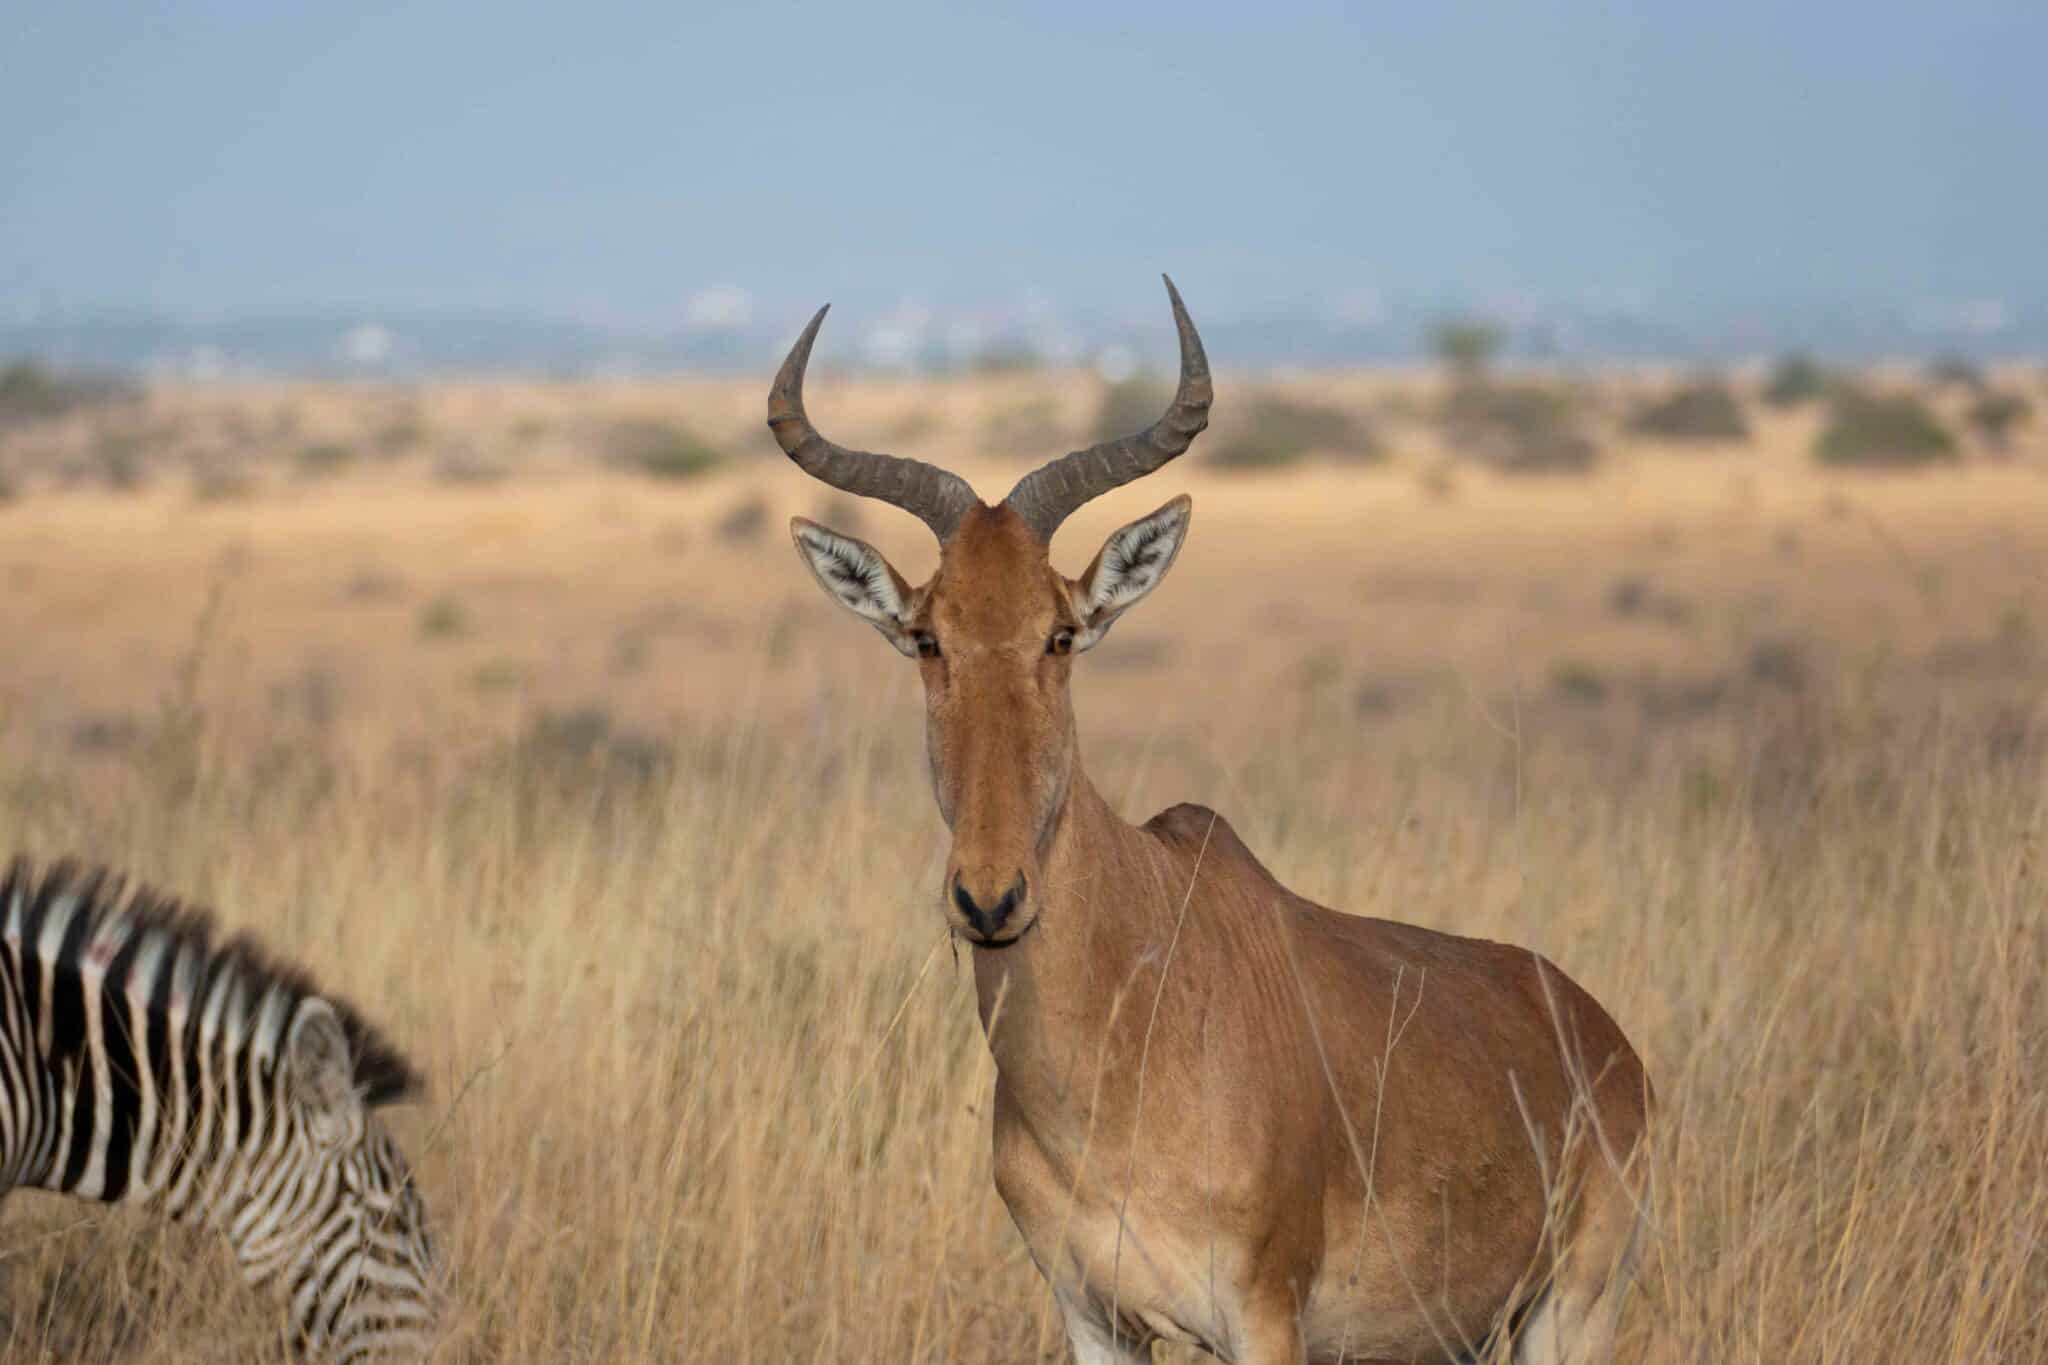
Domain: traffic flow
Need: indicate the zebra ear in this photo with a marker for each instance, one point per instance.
(323, 1074)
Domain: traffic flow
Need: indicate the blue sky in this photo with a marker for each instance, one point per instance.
(618, 161)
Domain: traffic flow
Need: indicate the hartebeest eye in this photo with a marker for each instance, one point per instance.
(927, 645)
(1062, 641)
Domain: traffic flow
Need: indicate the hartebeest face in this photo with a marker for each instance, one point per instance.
(995, 630)
(994, 634)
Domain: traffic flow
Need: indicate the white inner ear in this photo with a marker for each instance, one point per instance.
(858, 578)
(1132, 563)
(323, 1074)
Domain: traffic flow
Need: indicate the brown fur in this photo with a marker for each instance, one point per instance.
(1225, 1114)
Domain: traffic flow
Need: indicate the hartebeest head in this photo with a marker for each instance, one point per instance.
(995, 630)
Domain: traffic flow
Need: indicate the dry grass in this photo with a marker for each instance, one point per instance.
(641, 862)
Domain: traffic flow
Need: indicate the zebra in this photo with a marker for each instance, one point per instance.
(143, 1063)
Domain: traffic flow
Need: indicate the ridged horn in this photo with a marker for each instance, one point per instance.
(1048, 495)
(937, 497)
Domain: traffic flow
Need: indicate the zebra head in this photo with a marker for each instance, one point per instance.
(344, 1227)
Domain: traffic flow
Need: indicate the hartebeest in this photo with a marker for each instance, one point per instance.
(1224, 1114)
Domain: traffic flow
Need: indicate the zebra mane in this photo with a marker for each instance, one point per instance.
(382, 1073)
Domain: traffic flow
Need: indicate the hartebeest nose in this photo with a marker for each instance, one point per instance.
(986, 921)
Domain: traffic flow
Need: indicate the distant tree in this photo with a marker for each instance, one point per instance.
(1465, 346)
(1996, 413)
(1795, 379)
(1005, 357)
(1955, 372)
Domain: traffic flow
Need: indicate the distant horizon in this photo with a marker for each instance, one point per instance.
(401, 345)
(1699, 178)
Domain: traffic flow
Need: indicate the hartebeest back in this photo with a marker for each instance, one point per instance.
(1224, 1114)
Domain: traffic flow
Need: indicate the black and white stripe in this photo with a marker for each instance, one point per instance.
(142, 1063)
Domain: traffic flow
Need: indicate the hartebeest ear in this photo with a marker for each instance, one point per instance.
(1129, 565)
(858, 578)
(323, 1074)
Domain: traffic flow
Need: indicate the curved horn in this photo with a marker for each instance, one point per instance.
(1048, 495)
(934, 496)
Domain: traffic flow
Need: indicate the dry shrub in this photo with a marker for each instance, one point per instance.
(322, 458)
(1278, 431)
(1997, 414)
(746, 520)
(468, 467)
(661, 450)
(30, 392)
(221, 482)
(1029, 426)
(1130, 405)
(1875, 430)
(1704, 410)
(1520, 428)
(116, 458)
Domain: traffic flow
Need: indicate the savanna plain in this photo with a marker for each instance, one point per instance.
(508, 710)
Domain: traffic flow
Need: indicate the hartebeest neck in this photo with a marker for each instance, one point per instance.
(1103, 927)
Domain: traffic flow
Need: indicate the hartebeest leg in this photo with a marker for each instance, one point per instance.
(1571, 1326)
(1272, 1337)
(1093, 1341)
(1576, 1321)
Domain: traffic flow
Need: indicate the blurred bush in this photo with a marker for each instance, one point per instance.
(746, 520)
(1793, 380)
(1577, 682)
(1516, 428)
(29, 392)
(1279, 431)
(1705, 409)
(584, 746)
(443, 619)
(1130, 405)
(662, 450)
(1028, 426)
(463, 465)
(918, 424)
(1519, 428)
(1954, 372)
(322, 458)
(401, 434)
(841, 513)
(116, 460)
(1882, 431)
(216, 482)
(1996, 413)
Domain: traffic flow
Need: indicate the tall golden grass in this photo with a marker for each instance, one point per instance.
(635, 852)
